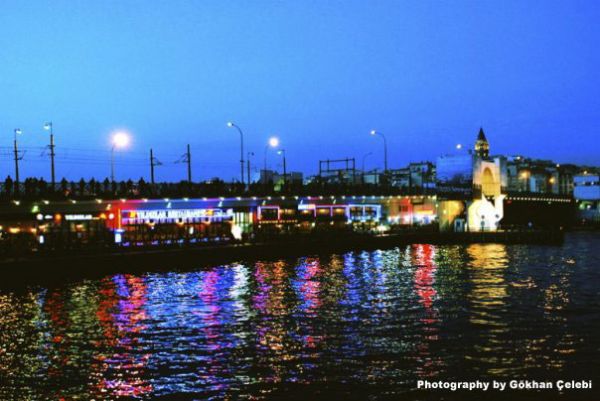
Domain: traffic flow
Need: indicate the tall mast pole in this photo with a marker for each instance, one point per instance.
(151, 167)
(189, 164)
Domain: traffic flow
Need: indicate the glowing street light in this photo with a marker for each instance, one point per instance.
(459, 146)
(233, 125)
(120, 140)
(273, 142)
(385, 163)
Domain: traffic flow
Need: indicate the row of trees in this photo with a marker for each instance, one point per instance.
(38, 188)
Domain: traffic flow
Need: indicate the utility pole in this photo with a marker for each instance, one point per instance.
(248, 166)
(151, 167)
(16, 151)
(48, 127)
(189, 164)
(282, 152)
(284, 171)
(187, 158)
(112, 163)
(153, 163)
(52, 154)
(16, 156)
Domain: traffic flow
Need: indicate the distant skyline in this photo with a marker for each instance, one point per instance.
(319, 75)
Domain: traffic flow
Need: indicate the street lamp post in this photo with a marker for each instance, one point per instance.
(248, 166)
(48, 127)
(112, 163)
(233, 125)
(119, 140)
(385, 163)
(17, 131)
(363, 165)
(272, 143)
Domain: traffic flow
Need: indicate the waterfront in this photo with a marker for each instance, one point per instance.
(365, 325)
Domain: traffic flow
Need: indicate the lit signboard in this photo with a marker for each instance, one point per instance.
(78, 217)
(175, 214)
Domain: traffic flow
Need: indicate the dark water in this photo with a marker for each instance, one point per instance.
(360, 325)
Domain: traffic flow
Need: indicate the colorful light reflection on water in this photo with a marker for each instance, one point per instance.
(358, 324)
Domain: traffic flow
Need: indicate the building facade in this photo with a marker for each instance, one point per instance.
(587, 196)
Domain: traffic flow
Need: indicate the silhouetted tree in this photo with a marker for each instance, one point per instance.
(8, 185)
(42, 187)
(93, 187)
(64, 187)
(106, 186)
(81, 187)
(142, 187)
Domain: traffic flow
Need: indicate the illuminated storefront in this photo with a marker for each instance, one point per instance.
(98, 223)
(169, 226)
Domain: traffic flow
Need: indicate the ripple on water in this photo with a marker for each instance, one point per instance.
(365, 322)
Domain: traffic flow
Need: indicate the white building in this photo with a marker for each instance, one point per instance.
(475, 175)
(587, 194)
(587, 187)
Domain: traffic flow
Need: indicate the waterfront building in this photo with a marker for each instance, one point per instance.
(276, 180)
(416, 176)
(400, 178)
(565, 178)
(489, 182)
(372, 177)
(98, 224)
(587, 196)
(267, 177)
(454, 173)
(533, 176)
(471, 186)
(478, 192)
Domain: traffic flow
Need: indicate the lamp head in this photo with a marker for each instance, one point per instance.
(273, 142)
(373, 132)
(18, 131)
(48, 126)
(121, 139)
(230, 124)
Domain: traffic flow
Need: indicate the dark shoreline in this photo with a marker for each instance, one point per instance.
(64, 267)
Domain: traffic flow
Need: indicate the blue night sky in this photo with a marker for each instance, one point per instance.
(318, 74)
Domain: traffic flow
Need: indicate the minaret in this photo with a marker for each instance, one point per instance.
(482, 147)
